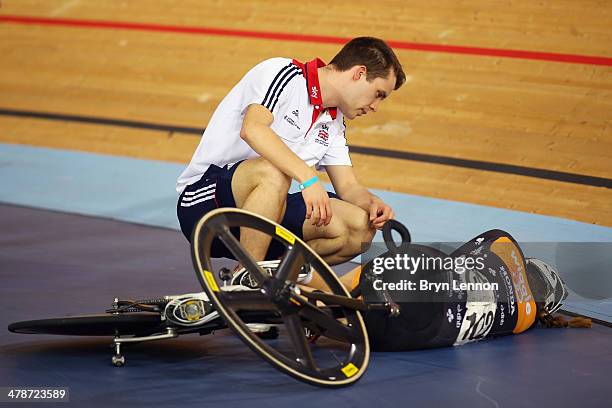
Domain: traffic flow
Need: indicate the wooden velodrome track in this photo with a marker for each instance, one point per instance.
(520, 112)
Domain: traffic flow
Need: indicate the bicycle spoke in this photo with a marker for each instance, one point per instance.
(298, 339)
(289, 267)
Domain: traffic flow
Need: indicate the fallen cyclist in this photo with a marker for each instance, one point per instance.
(505, 293)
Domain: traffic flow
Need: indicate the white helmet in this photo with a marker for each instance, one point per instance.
(554, 291)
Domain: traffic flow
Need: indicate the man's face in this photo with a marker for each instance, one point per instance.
(362, 96)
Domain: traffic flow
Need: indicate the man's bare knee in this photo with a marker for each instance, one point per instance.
(348, 235)
(359, 232)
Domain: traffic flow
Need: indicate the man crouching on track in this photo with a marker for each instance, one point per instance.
(283, 119)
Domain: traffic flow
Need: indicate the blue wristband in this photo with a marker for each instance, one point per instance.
(308, 183)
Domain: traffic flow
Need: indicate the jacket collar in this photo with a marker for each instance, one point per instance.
(310, 72)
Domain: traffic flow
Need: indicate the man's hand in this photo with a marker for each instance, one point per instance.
(348, 188)
(380, 213)
(318, 208)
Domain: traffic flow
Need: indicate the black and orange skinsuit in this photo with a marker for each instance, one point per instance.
(454, 316)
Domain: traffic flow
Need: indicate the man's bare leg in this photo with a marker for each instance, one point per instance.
(259, 186)
(345, 235)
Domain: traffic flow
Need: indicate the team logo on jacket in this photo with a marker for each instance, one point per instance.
(323, 136)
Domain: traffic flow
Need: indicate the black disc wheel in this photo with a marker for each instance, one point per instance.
(341, 352)
(92, 325)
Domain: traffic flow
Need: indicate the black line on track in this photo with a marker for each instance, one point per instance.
(100, 121)
(370, 151)
(488, 166)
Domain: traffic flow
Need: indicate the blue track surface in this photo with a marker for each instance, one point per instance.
(56, 264)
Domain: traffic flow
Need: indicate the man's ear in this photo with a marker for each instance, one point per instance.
(359, 71)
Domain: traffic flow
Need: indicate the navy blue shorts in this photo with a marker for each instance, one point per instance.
(214, 190)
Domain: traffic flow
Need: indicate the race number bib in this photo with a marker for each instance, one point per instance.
(480, 311)
(477, 322)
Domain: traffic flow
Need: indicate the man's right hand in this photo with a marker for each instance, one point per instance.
(318, 207)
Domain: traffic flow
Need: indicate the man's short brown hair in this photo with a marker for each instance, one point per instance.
(375, 54)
